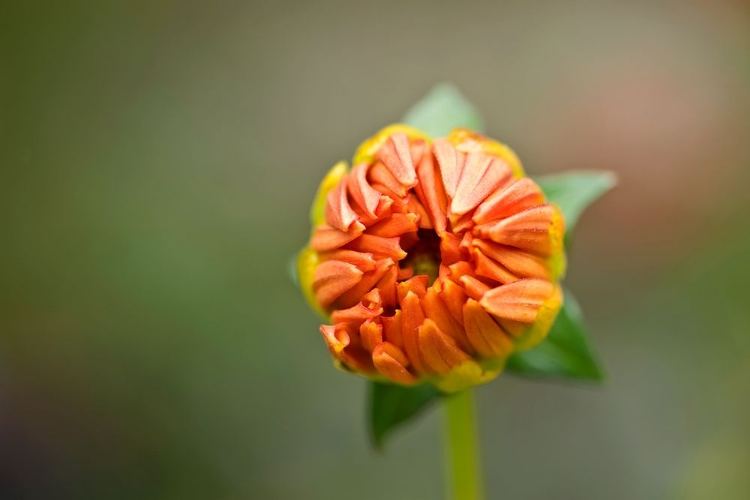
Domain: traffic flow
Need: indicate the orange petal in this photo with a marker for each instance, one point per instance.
(453, 296)
(362, 261)
(404, 273)
(528, 230)
(522, 194)
(411, 318)
(485, 335)
(378, 174)
(522, 264)
(414, 206)
(451, 163)
(459, 269)
(474, 288)
(391, 362)
(435, 310)
(380, 247)
(367, 197)
(432, 195)
(336, 337)
(461, 223)
(477, 181)
(371, 334)
(369, 307)
(396, 155)
(339, 213)
(387, 286)
(417, 284)
(438, 350)
(342, 346)
(332, 278)
(395, 225)
(367, 283)
(518, 301)
(392, 329)
(488, 268)
(328, 238)
(450, 248)
(418, 148)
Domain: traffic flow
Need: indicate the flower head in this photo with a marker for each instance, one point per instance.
(432, 260)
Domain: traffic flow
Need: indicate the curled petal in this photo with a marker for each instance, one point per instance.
(488, 268)
(392, 329)
(530, 230)
(484, 334)
(432, 194)
(438, 350)
(362, 261)
(367, 283)
(332, 278)
(379, 247)
(518, 262)
(371, 333)
(435, 310)
(416, 285)
(474, 288)
(331, 180)
(477, 181)
(396, 155)
(328, 238)
(387, 286)
(367, 197)
(519, 196)
(451, 162)
(518, 301)
(454, 297)
(336, 337)
(391, 362)
(395, 225)
(411, 318)
(339, 213)
(369, 307)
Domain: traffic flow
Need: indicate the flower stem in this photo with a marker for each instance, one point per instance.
(463, 465)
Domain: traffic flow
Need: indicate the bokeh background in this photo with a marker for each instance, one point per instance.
(157, 162)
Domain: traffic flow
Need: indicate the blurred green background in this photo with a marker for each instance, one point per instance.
(157, 160)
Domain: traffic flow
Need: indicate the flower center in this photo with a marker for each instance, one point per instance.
(423, 257)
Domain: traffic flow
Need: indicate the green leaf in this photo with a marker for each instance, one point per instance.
(441, 110)
(574, 191)
(394, 405)
(566, 351)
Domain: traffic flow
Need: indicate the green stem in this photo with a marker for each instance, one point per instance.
(463, 464)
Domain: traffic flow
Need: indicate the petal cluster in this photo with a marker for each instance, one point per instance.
(433, 259)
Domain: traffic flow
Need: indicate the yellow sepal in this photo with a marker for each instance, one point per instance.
(469, 374)
(307, 261)
(558, 261)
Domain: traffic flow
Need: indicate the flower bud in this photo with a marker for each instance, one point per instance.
(432, 260)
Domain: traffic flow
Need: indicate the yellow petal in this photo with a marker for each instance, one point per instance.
(307, 261)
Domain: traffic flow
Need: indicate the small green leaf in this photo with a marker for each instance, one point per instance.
(575, 191)
(565, 352)
(441, 110)
(394, 405)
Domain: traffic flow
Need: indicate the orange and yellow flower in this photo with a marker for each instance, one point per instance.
(432, 260)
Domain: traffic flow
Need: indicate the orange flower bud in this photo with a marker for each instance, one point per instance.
(432, 261)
